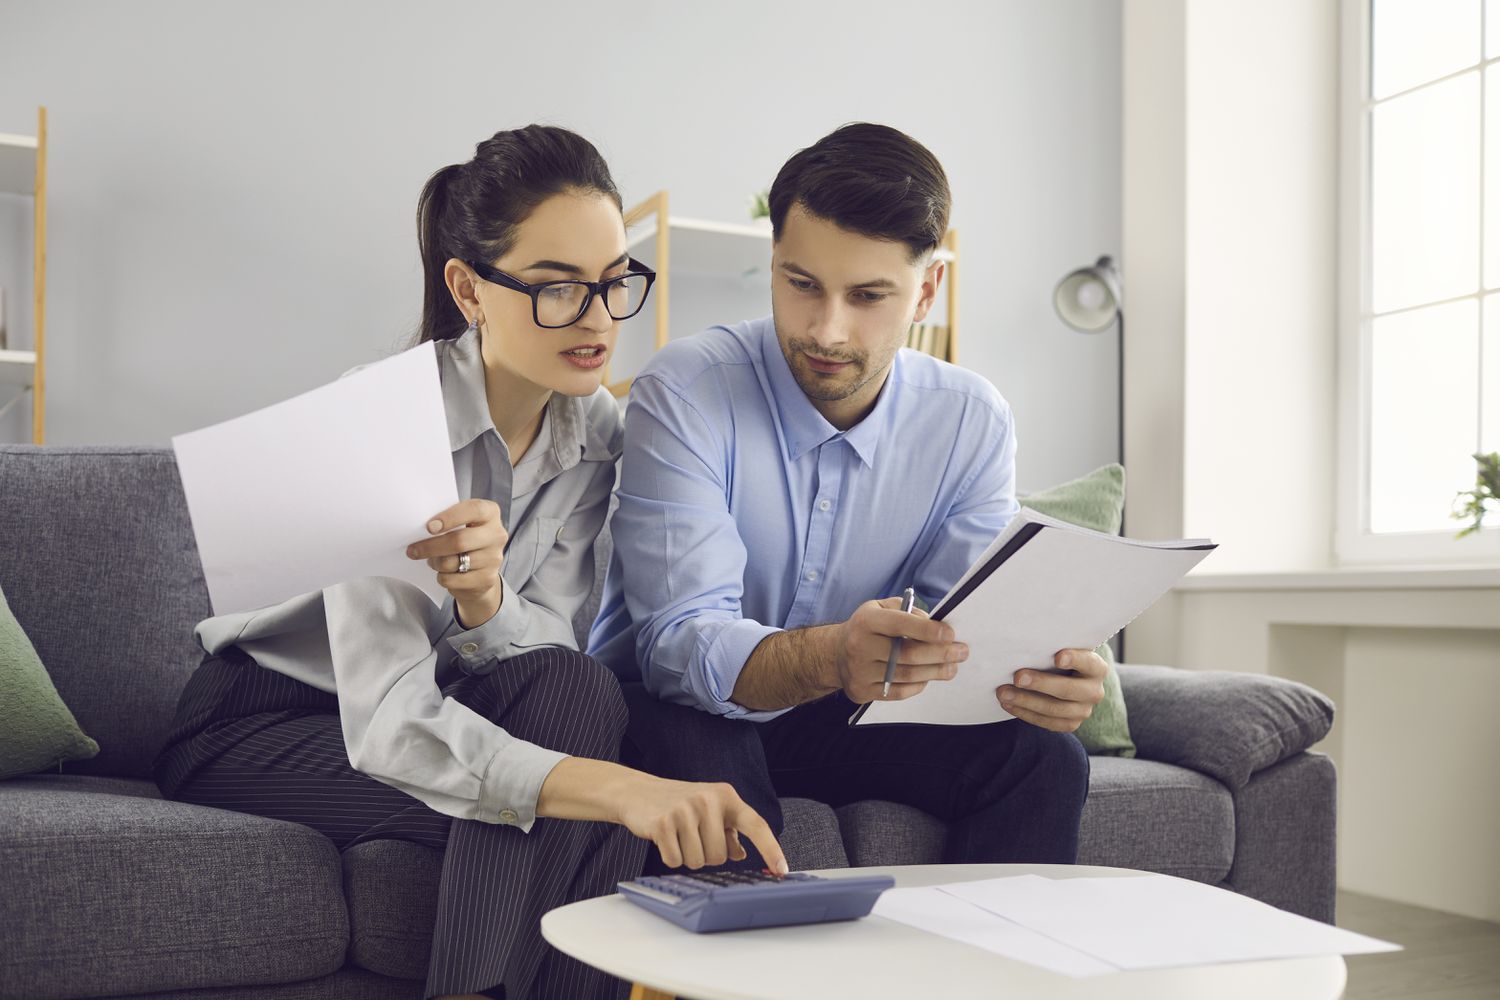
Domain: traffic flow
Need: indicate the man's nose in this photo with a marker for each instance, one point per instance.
(829, 329)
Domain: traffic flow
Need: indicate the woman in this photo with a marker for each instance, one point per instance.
(366, 712)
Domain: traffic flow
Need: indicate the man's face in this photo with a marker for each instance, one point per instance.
(843, 304)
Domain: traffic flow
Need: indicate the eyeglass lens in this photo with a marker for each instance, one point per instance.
(563, 303)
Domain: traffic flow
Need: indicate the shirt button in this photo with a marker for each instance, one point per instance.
(825, 504)
(812, 575)
(469, 648)
(508, 816)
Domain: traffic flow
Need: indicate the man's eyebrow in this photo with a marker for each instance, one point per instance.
(557, 265)
(877, 283)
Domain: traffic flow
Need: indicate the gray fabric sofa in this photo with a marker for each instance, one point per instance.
(108, 890)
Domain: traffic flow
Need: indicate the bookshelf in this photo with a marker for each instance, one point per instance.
(23, 171)
(699, 247)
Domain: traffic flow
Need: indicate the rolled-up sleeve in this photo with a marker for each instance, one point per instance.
(400, 729)
(681, 555)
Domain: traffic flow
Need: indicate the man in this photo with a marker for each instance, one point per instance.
(797, 470)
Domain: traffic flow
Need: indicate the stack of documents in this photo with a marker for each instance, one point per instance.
(1042, 586)
(1091, 926)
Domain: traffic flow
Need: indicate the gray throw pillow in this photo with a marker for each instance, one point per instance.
(1227, 725)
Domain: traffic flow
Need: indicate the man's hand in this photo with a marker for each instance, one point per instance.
(1059, 702)
(928, 652)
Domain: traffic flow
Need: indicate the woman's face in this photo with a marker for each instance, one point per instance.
(578, 235)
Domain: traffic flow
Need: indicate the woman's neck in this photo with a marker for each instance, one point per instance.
(517, 406)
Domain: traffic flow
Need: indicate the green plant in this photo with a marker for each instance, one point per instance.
(760, 205)
(1475, 503)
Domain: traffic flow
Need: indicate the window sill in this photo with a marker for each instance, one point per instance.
(1363, 578)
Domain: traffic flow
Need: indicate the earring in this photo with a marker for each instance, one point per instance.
(473, 325)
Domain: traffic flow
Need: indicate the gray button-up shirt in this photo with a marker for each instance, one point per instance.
(387, 650)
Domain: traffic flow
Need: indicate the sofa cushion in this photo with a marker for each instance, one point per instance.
(37, 732)
(109, 889)
(108, 594)
(1157, 818)
(1139, 814)
(1227, 725)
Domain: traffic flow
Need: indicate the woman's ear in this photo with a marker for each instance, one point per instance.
(461, 282)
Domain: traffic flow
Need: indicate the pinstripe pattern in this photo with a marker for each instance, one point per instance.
(253, 740)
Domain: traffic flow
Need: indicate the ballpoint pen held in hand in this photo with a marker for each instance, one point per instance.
(908, 601)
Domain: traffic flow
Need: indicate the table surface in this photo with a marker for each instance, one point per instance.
(875, 957)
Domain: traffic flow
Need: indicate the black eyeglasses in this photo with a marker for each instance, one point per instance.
(556, 304)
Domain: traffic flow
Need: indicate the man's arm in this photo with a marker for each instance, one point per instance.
(790, 668)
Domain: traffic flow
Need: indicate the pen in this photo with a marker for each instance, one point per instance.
(908, 601)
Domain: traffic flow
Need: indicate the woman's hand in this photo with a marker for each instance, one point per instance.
(691, 823)
(697, 824)
(473, 527)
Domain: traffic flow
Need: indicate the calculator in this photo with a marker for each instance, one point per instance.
(735, 900)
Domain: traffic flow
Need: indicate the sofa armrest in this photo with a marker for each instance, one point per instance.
(1223, 724)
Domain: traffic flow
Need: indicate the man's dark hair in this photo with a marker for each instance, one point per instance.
(869, 179)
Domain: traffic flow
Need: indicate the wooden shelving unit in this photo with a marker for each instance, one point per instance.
(23, 171)
(728, 249)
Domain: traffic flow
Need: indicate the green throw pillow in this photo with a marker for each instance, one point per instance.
(37, 732)
(1095, 501)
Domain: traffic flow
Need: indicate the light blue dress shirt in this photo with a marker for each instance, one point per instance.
(387, 651)
(742, 511)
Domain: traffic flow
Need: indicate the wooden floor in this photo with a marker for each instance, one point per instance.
(1446, 957)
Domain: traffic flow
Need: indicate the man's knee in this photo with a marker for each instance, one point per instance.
(1062, 760)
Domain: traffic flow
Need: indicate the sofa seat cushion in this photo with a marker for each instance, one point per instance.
(1158, 818)
(1139, 814)
(395, 938)
(110, 889)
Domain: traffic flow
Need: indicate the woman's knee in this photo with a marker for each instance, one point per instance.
(559, 690)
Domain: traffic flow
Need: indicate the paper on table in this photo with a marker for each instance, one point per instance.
(932, 910)
(1156, 921)
(328, 486)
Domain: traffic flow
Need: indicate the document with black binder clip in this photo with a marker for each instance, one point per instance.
(1043, 585)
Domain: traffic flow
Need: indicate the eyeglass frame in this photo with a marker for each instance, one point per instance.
(595, 288)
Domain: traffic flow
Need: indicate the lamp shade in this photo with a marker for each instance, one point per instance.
(1088, 298)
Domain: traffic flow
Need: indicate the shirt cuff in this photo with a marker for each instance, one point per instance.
(478, 649)
(512, 783)
(720, 661)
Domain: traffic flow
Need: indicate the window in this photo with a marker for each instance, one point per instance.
(1420, 316)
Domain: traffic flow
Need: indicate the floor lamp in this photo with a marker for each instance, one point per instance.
(1088, 300)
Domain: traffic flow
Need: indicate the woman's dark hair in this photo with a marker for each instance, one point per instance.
(868, 179)
(471, 210)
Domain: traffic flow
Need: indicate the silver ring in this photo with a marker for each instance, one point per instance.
(463, 562)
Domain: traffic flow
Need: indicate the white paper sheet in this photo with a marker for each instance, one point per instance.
(935, 911)
(328, 486)
(1155, 921)
(1065, 588)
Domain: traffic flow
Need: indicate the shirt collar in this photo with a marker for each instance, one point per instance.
(803, 427)
(568, 437)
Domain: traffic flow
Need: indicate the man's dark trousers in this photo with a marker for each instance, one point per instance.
(1009, 791)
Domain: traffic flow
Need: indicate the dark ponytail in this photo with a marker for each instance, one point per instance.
(471, 210)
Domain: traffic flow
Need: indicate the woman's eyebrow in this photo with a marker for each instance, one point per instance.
(557, 265)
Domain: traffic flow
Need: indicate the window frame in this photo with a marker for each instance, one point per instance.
(1354, 544)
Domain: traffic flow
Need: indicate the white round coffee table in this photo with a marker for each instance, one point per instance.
(874, 957)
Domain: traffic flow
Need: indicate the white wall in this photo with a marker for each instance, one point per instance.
(232, 187)
(1230, 213)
